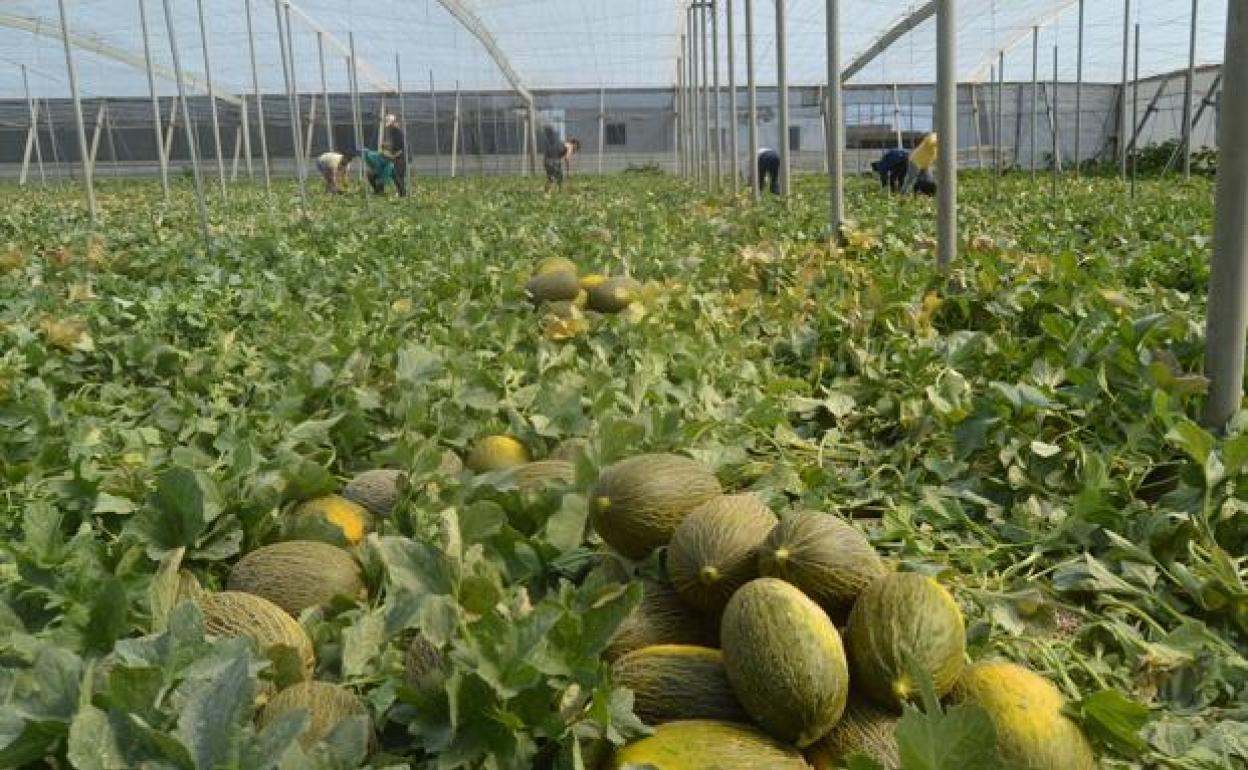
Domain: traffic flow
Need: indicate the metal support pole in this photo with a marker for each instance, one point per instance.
(245, 117)
(297, 111)
(357, 118)
(238, 148)
(947, 130)
(96, 128)
(329, 113)
(29, 146)
(1035, 93)
(782, 87)
(999, 131)
(733, 121)
(296, 139)
(112, 144)
(455, 134)
(602, 125)
(407, 155)
(897, 116)
(836, 121)
(752, 102)
(1135, 112)
(1079, 97)
(679, 107)
(1122, 96)
(707, 125)
(1189, 90)
(719, 130)
(255, 85)
(533, 134)
(172, 123)
(87, 175)
(1228, 279)
(212, 98)
(200, 201)
(976, 124)
(437, 133)
(307, 139)
(695, 93)
(34, 126)
(151, 89)
(1057, 147)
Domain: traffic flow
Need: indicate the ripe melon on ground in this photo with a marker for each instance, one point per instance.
(298, 574)
(661, 618)
(496, 453)
(785, 661)
(707, 745)
(714, 550)
(552, 287)
(326, 703)
(864, 729)
(904, 616)
(352, 519)
(234, 613)
(613, 295)
(637, 503)
(677, 681)
(1026, 709)
(535, 476)
(377, 490)
(555, 265)
(827, 558)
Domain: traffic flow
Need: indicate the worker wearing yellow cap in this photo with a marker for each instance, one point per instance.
(921, 161)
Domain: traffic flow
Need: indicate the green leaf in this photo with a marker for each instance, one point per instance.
(213, 713)
(174, 514)
(961, 738)
(108, 619)
(1113, 719)
(92, 743)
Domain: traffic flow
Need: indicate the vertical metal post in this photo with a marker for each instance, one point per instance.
(947, 131)
(455, 133)
(151, 89)
(1035, 92)
(1135, 113)
(782, 87)
(719, 131)
(897, 115)
(296, 139)
(437, 132)
(1079, 97)
(407, 154)
(976, 124)
(836, 121)
(533, 133)
(707, 125)
(357, 117)
(999, 132)
(212, 98)
(602, 125)
(733, 120)
(751, 90)
(34, 126)
(238, 148)
(1189, 89)
(994, 99)
(245, 117)
(480, 138)
(1228, 279)
(329, 113)
(1057, 146)
(679, 107)
(307, 139)
(695, 98)
(87, 175)
(1122, 96)
(186, 126)
(255, 85)
(300, 167)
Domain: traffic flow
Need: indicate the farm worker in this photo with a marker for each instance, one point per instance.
(768, 170)
(333, 166)
(394, 147)
(377, 168)
(921, 162)
(557, 157)
(892, 167)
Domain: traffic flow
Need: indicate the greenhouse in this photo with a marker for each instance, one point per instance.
(599, 385)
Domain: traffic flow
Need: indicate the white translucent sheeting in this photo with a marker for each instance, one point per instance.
(590, 44)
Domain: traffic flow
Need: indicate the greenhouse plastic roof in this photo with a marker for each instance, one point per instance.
(566, 44)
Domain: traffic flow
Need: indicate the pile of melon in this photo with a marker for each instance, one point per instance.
(782, 643)
(568, 301)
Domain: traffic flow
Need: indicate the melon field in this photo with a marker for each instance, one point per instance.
(789, 507)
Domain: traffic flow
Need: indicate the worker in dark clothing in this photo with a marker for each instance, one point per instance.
(557, 154)
(768, 170)
(892, 169)
(394, 147)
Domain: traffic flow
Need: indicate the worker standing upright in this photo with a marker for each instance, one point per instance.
(394, 147)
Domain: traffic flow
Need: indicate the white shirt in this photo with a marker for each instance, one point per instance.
(330, 160)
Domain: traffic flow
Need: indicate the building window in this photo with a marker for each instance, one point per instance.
(795, 138)
(617, 134)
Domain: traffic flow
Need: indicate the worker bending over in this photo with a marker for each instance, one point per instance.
(333, 168)
(768, 170)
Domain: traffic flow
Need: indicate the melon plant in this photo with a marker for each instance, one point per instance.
(1033, 732)
(298, 574)
(676, 681)
(900, 619)
(828, 559)
(636, 504)
(325, 703)
(714, 550)
(424, 666)
(707, 745)
(784, 658)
